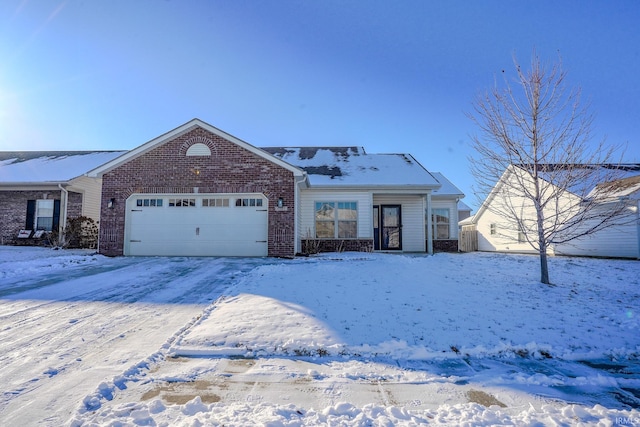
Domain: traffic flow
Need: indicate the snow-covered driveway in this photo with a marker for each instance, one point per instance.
(336, 339)
(68, 322)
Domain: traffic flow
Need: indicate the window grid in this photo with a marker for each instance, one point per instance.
(440, 224)
(215, 203)
(249, 202)
(149, 203)
(336, 220)
(182, 203)
(44, 215)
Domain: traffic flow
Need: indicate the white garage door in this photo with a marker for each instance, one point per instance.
(196, 225)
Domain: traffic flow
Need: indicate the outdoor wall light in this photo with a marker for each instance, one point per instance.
(112, 203)
(280, 202)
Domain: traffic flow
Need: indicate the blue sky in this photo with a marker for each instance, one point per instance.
(391, 76)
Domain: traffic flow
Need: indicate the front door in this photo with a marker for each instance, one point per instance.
(387, 228)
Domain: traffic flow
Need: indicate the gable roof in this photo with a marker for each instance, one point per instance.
(447, 189)
(38, 167)
(604, 175)
(322, 167)
(190, 125)
(627, 184)
(353, 167)
(462, 206)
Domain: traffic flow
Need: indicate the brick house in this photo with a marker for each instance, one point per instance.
(40, 190)
(198, 191)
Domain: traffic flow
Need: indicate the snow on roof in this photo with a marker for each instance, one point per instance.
(463, 206)
(447, 186)
(622, 188)
(50, 166)
(603, 177)
(345, 166)
(335, 166)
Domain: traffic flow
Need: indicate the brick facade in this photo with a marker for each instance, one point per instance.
(445, 245)
(230, 169)
(313, 246)
(13, 210)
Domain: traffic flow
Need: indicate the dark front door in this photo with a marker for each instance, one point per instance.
(387, 227)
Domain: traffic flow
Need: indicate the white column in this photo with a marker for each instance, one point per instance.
(429, 226)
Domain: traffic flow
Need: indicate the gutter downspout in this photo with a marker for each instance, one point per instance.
(297, 247)
(64, 198)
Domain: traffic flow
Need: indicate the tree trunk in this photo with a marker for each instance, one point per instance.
(544, 268)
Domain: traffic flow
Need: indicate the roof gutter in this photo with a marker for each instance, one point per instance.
(35, 185)
(400, 189)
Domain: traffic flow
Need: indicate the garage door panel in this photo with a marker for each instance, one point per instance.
(196, 230)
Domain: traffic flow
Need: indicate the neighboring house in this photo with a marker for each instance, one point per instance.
(494, 233)
(198, 191)
(40, 190)
(464, 211)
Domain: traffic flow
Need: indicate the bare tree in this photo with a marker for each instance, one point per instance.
(555, 184)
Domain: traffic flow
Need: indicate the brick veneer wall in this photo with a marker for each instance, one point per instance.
(445, 245)
(13, 210)
(74, 205)
(229, 169)
(313, 246)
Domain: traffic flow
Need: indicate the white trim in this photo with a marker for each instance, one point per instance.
(380, 189)
(429, 226)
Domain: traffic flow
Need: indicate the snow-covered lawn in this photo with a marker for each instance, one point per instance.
(352, 339)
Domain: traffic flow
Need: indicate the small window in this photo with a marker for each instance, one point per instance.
(522, 238)
(44, 215)
(440, 224)
(257, 202)
(492, 229)
(347, 220)
(216, 203)
(182, 202)
(149, 202)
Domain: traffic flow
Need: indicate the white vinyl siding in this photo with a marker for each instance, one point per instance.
(413, 221)
(507, 237)
(91, 190)
(621, 241)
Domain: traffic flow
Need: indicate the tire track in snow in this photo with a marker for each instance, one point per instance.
(97, 324)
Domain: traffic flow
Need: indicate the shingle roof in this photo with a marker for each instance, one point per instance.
(334, 166)
(352, 166)
(50, 166)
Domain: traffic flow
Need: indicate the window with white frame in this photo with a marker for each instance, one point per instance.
(248, 202)
(149, 203)
(336, 220)
(440, 222)
(185, 203)
(44, 215)
(215, 203)
(493, 229)
(521, 236)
